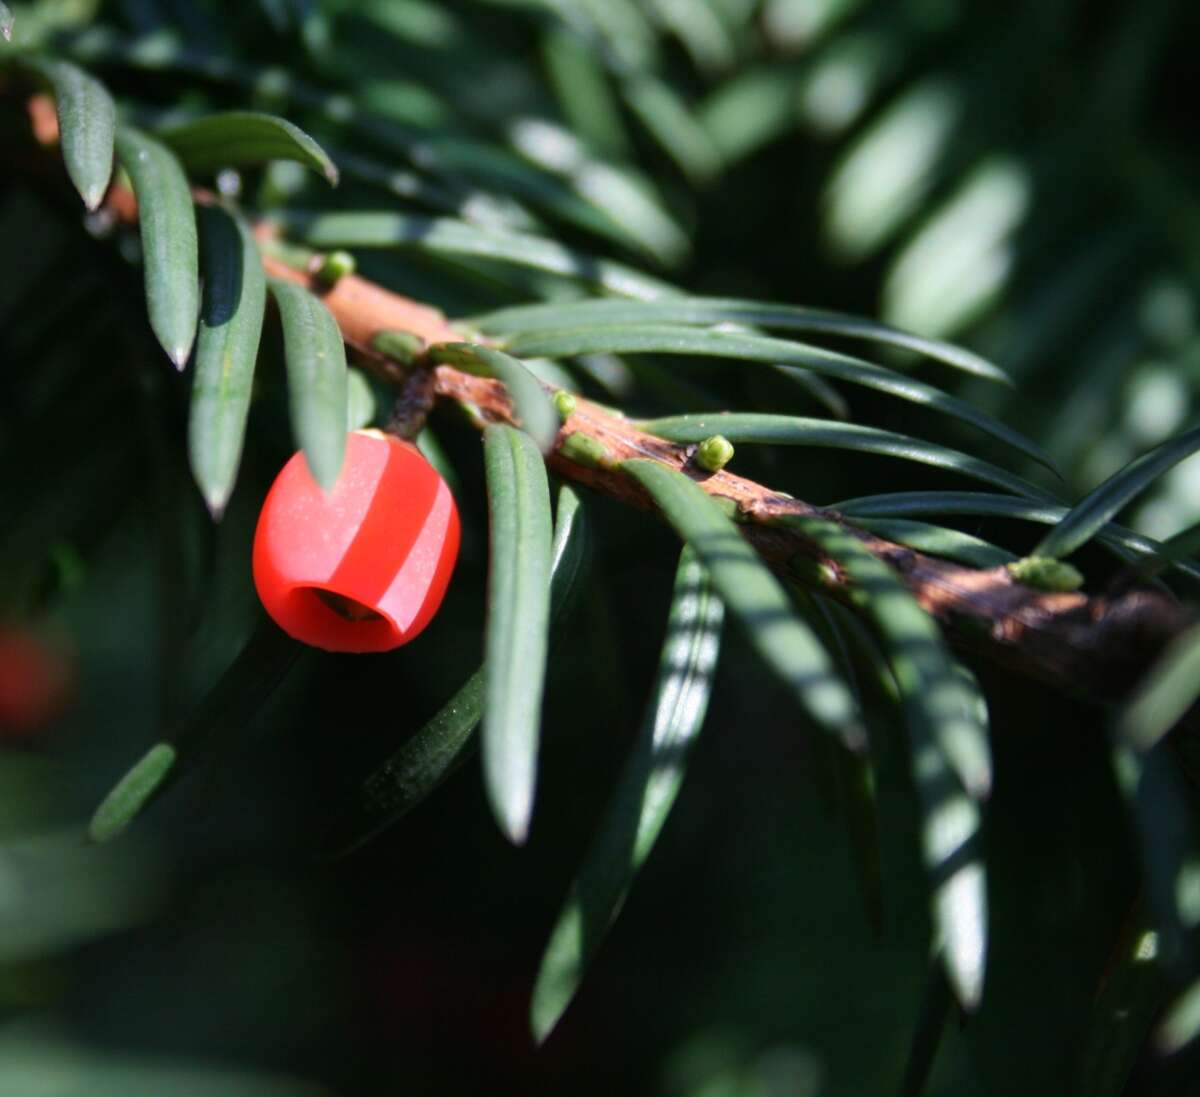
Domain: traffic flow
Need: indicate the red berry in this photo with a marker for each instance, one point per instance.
(365, 566)
(36, 682)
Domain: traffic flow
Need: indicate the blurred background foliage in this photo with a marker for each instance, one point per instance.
(1019, 177)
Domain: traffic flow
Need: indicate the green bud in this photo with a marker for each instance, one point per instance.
(335, 266)
(583, 449)
(1046, 573)
(400, 346)
(564, 404)
(714, 453)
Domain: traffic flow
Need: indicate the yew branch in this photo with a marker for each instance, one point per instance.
(1094, 645)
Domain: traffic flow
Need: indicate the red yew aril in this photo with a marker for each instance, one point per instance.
(36, 682)
(365, 566)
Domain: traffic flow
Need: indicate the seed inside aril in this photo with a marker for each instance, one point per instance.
(346, 607)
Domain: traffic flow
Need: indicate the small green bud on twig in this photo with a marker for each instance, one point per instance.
(334, 266)
(714, 453)
(400, 346)
(1046, 573)
(585, 450)
(564, 404)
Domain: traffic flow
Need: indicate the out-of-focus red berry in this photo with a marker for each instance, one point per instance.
(35, 682)
(364, 566)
